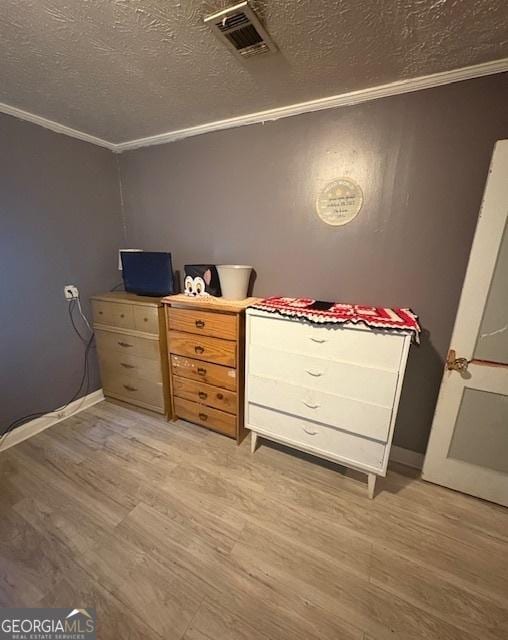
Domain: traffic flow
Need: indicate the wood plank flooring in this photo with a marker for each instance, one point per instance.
(175, 532)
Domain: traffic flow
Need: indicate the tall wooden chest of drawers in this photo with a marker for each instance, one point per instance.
(206, 361)
(332, 391)
(131, 345)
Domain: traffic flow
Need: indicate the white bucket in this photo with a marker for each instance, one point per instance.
(234, 280)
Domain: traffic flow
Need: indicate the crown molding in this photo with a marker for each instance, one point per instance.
(341, 100)
(55, 126)
(331, 102)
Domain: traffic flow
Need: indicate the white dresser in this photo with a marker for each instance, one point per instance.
(329, 390)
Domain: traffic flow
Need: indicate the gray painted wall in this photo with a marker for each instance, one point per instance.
(247, 195)
(59, 224)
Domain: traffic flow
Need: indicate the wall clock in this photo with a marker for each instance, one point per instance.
(339, 202)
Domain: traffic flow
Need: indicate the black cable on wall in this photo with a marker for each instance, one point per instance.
(84, 384)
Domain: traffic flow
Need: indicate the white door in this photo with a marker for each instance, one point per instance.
(468, 447)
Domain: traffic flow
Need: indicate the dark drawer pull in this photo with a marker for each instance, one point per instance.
(100, 313)
(122, 315)
(220, 396)
(203, 395)
(127, 366)
(201, 371)
(199, 349)
(124, 344)
(129, 388)
(200, 324)
(203, 416)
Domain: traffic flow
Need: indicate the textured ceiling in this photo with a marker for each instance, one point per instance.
(125, 69)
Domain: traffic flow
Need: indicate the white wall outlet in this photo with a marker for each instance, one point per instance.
(71, 292)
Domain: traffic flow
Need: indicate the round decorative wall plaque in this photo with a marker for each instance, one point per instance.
(339, 202)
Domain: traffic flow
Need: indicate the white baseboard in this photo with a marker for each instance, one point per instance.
(407, 457)
(33, 427)
(29, 429)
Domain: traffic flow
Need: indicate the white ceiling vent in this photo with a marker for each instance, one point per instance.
(240, 29)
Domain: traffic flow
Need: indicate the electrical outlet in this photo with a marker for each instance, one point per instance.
(71, 292)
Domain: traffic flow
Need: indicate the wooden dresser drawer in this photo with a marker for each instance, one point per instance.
(125, 343)
(206, 351)
(204, 323)
(316, 438)
(206, 372)
(114, 314)
(205, 416)
(120, 363)
(203, 348)
(369, 420)
(147, 393)
(146, 319)
(130, 337)
(205, 394)
(344, 344)
(358, 382)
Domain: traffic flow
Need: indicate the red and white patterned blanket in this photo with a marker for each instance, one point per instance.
(399, 320)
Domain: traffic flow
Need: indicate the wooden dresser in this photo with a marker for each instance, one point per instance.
(332, 391)
(206, 352)
(131, 343)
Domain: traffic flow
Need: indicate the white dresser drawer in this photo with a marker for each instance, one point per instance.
(313, 437)
(369, 420)
(345, 344)
(350, 380)
(331, 390)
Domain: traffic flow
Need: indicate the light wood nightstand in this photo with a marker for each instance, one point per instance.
(130, 334)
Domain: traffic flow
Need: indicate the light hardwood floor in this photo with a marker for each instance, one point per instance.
(172, 531)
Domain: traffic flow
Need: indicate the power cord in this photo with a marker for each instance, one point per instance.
(70, 309)
(85, 319)
(85, 378)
